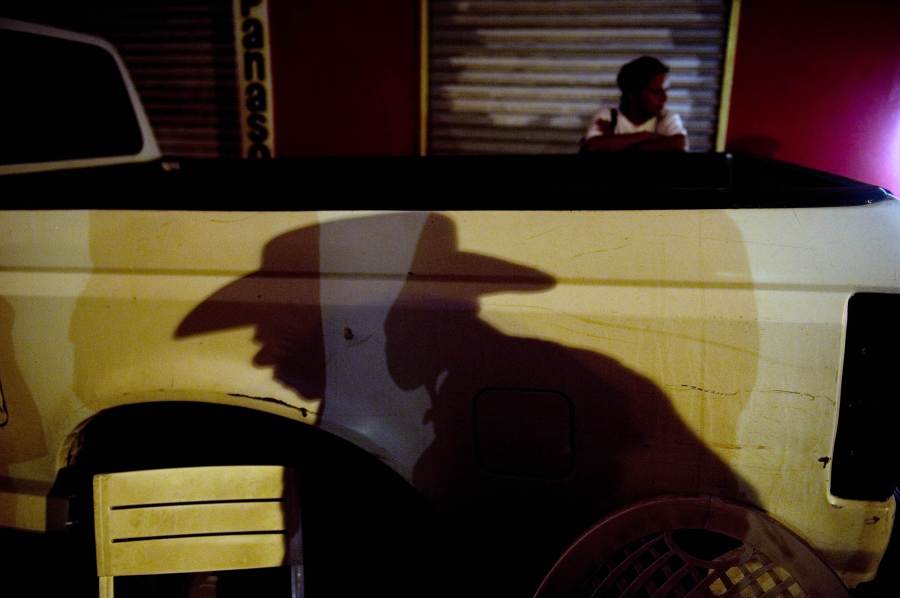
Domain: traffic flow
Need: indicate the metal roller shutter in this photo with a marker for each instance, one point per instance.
(181, 57)
(526, 76)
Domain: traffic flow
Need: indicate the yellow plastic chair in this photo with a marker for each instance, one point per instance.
(196, 519)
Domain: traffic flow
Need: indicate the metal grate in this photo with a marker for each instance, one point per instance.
(526, 76)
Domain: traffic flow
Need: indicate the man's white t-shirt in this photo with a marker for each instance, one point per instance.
(668, 123)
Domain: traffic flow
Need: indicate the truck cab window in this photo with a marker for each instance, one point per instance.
(61, 101)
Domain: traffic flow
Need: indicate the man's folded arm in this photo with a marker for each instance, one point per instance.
(615, 143)
(637, 141)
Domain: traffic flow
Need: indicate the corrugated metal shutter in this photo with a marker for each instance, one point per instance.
(181, 57)
(526, 76)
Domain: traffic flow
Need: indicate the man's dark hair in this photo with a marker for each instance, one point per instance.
(635, 75)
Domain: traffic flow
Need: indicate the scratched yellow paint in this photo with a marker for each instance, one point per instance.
(735, 316)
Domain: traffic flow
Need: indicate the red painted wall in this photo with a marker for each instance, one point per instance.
(345, 76)
(817, 82)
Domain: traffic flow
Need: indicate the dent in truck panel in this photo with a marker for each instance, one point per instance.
(303, 410)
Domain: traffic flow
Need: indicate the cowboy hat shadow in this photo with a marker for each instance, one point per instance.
(364, 313)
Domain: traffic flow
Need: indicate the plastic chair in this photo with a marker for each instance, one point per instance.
(196, 519)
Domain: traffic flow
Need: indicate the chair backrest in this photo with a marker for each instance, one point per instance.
(194, 519)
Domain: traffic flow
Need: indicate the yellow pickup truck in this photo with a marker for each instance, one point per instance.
(676, 378)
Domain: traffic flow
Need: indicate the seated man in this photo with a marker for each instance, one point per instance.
(641, 122)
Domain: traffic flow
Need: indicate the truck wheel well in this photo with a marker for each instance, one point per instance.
(179, 434)
(355, 510)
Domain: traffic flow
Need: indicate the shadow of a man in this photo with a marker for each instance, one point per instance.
(524, 442)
